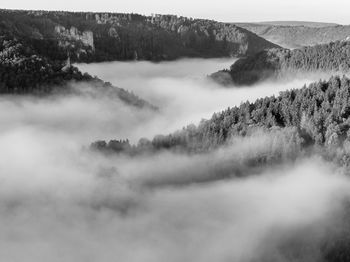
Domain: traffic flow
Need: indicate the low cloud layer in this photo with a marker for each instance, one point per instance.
(182, 90)
(60, 202)
(84, 212)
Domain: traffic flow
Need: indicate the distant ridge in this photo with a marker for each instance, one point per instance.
(298, 34)
(298, 23)
(96, 36)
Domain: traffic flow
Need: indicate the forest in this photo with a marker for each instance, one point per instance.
(23, 71)
(278, 63)
(96, 37)
(304, 122)
(316, 116)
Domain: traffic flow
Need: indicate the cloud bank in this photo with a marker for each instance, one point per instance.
(59, 202)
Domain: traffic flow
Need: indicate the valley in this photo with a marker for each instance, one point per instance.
(157, 137)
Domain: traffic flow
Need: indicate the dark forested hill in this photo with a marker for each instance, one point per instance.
(110, 36)
(23, 71)
(317, 115)
(314, 119)
(296, 36)
(274, 63)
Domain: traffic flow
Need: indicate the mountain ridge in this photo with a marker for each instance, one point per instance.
(296, 36)
(297, 23)
(94, 37)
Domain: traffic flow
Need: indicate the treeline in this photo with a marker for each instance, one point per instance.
(274, 63)
(23, 71)
(315, 116)
(128, 36)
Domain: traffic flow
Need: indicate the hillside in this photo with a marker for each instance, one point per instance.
(297, 23)
(93, 37)
(296, 36)
(314, 116)
(23, 71)
(278, 63)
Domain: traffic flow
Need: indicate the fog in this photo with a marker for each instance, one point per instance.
(182, 90)
(61, 202)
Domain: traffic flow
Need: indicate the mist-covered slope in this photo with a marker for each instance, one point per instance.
(111, 36)
(252, 141)
(317, 115)
(160, 206)
(23, 71)
(277, 63)
(296, 36)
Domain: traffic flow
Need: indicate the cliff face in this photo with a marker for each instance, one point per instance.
(73, 34)
(91, 37)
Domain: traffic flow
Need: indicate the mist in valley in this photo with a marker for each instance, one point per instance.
(183, 91)
(60, 201)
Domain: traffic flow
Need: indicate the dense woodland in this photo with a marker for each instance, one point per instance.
(127, 36)
(277, 62)
(316, 116)
(23, 71)
(298, 122)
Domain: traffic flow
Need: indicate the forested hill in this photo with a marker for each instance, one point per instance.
(23, 71)
(91, 37)
(317, 115)
(277, 62)
(314, 120)
(296, 36)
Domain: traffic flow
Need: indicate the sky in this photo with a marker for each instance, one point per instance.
(221, 10)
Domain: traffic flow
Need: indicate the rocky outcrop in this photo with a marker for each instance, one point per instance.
(86, 37)
(112, 32)
(110, 18)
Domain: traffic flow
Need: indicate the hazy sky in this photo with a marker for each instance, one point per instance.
(221, 10)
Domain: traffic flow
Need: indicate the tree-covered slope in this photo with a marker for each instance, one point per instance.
(111, 36)
(275, 63)
(298, 122)
(316, 115)
(23, 71)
